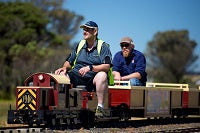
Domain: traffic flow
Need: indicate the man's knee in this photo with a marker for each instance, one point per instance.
(100, 77)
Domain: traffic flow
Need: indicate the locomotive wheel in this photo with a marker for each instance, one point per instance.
(75, 121)
(53, 122)
(68, 121)
(61, 121)
(124, 116)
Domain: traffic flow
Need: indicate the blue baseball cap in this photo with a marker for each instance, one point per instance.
(89, 24)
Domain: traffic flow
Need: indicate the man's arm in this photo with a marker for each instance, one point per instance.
(132, 75)
(96, 68)
(68, 63)
(105, 58)
(63, 69)
(102, 67)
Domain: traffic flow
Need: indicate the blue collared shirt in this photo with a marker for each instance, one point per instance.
(91, 57)
(135, 63)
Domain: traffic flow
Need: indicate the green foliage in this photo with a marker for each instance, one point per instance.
(34, 37)
(28, 59)
(170, 55)
(22, 22)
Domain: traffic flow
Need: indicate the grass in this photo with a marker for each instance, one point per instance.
(4, 107)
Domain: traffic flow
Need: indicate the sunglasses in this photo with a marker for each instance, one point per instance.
(88, 29)
(124, 45)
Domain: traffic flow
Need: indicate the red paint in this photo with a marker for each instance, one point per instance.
(118, 97)
(85, 97)
(185, 99)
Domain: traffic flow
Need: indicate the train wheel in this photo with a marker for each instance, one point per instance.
(61, 121)
(68, 121)
(53, 122)
(124, 116)
(75, 121)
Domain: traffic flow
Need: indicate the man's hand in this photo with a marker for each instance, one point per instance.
(61, 71)
(117, 78)
(84, 70)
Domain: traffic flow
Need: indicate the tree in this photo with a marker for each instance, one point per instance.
(21, 23)
(28, 42)
(170, 55)
(62, 22)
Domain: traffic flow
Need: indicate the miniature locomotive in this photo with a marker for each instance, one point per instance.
(50, 99)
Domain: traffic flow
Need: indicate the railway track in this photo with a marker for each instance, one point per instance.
(142, 125)
(40, 130)
(21, 129)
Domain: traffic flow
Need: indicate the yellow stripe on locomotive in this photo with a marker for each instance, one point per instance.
(26, 98)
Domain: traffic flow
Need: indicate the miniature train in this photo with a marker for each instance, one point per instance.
(50, 99)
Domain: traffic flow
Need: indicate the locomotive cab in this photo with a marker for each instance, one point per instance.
(41, 91)
(52, 89)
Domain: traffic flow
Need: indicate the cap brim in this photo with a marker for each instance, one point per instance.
(82, 26)
(127, 42)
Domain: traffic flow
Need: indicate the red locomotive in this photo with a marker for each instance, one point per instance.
(50, 99)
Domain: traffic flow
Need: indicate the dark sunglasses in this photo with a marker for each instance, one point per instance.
(88, 29)
(124, 45)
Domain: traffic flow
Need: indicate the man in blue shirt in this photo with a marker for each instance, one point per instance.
(89, 67)
(129, 64)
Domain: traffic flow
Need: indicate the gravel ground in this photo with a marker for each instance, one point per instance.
(135, 126)
(192, 127)
(183, 127)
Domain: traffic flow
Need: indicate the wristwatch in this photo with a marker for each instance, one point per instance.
(91, 67)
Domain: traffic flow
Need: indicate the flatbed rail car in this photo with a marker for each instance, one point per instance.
(182, 103)
(52, 100)
(156, 99)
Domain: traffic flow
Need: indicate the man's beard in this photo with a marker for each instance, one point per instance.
(126, 54)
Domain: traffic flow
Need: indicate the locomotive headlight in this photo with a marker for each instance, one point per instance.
(40, 77)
